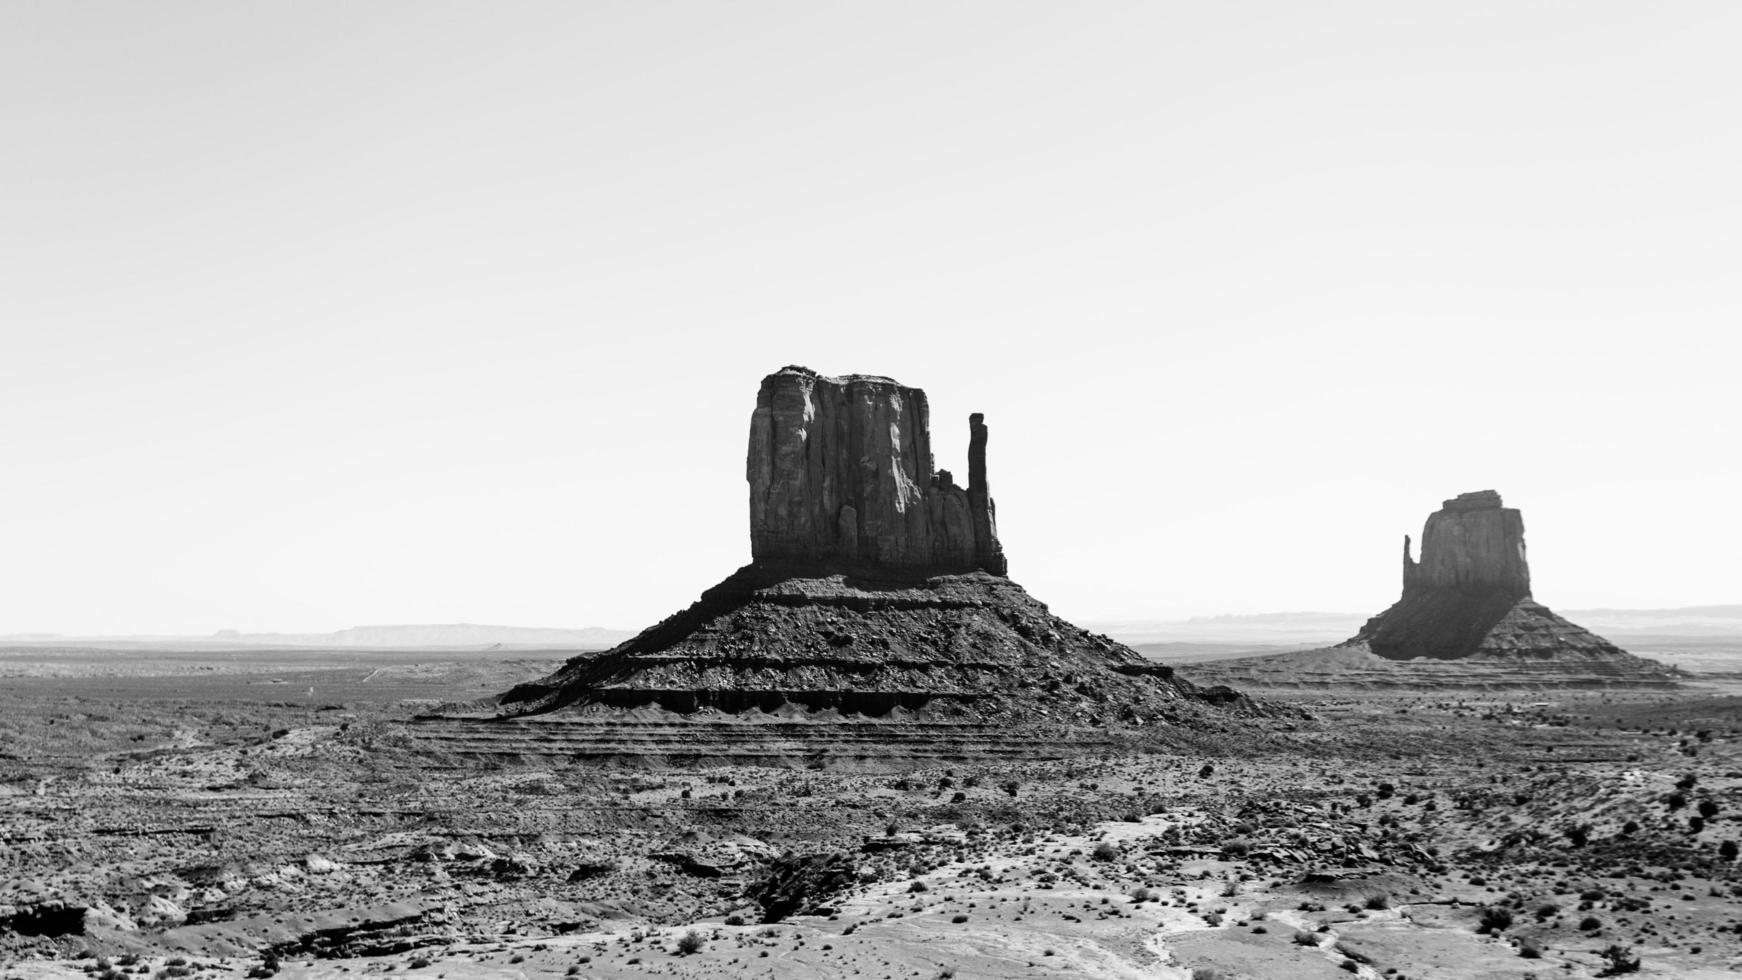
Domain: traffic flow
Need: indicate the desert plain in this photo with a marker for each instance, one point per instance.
(211, 812)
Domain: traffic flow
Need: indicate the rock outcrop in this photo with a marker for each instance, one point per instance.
(841, 475)
(874, 623)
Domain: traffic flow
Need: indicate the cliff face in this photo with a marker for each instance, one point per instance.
(840, 473)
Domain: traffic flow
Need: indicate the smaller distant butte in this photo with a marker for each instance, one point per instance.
(1466, 619)
(1469, 596)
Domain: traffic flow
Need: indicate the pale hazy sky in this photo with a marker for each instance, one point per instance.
(323, 314)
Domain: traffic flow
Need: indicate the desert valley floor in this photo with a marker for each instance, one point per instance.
(216, 813)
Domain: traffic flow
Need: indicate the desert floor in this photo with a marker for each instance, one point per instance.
(267, 813)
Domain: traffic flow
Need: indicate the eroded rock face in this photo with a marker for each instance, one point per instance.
(840, 473)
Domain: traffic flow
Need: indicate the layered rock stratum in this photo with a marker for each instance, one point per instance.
(1466, 619)
(874, 620)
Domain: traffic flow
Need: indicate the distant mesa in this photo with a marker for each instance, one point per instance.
(449, 636)
(1466, 619)
(876, 590)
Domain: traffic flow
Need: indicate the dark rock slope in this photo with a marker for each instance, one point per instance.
(972, 646)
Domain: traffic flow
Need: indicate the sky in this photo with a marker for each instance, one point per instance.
(316, 314)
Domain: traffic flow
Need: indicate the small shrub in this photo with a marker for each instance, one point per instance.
(1530, 951)
(689, 942)
(1495, 918)
(958, 918)
(1590, 923)
(1303, 938)
(1378, 901)
(1105, 851)
(917, 887)
(1619, 960)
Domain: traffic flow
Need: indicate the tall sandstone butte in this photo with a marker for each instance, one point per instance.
(876, 588)
(1470, 595)
(840, 473)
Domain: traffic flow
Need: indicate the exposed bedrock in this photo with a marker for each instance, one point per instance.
(840, 473)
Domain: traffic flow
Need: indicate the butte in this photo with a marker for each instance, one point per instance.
(875, 622)
(1466, 619)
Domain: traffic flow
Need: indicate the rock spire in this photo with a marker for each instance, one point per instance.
(840, 473)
